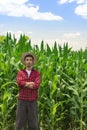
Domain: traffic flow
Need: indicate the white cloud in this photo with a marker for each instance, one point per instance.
(46, 16)
(20, 8)
(69, 1)
(81, 10)
(71, 35)
(81, 1)
(65, 1)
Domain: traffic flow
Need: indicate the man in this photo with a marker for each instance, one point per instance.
(28, 81)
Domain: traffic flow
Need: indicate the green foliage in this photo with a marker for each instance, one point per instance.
(2, 38)
(63, 90)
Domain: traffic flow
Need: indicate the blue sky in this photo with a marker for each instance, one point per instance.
(52, 20)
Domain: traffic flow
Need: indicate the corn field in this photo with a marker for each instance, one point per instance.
(62, 103)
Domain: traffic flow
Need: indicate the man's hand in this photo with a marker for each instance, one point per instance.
(29, 85)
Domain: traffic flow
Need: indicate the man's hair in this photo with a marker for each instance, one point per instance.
(28, 56)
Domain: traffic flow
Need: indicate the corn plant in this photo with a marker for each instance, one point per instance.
(62, 103)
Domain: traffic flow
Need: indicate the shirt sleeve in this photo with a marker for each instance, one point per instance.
(37, 81)
(20, 80)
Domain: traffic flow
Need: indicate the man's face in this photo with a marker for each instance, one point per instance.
(29, 61)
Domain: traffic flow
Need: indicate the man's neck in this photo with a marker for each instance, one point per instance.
(28, 68)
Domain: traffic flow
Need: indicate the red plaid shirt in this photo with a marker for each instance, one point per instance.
(26, 93)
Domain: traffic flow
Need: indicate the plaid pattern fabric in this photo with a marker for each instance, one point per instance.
(24, 92)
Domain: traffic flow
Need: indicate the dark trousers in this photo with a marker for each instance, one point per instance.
(26, 114)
